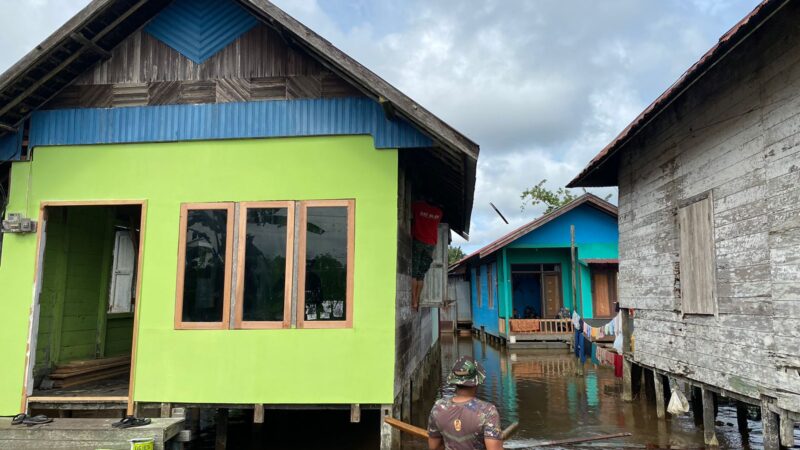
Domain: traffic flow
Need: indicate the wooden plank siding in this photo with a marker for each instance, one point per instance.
(259, 65)
(735, 135)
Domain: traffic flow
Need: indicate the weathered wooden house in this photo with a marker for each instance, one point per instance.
(222, 197)
(564, 259)
(709, 222)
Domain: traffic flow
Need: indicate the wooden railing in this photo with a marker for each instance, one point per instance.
(542, 326)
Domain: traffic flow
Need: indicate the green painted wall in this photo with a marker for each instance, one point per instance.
(231, 366)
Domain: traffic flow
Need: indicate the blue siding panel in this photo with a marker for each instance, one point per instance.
(170, 123)
(11, 146)
(591, 226)
(483, 316)
(198, 29)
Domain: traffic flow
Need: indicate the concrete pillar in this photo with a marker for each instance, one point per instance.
(390, 438)
(709, 419)
(658, 388)
(769, 423)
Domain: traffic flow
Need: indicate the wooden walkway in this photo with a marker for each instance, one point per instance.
(84, 434)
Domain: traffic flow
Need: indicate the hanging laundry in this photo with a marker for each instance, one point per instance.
(618, 366)
(618, 344)
(576, 320)
(594, 354)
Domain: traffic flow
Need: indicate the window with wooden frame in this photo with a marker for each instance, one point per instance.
(697, 260)
(491, 286)
(205, 254)
(326, 236)
(264, 265)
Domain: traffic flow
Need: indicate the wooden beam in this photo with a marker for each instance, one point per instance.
(76, 399)
(221, 438)
(627, 380)
(8, 128)
(166, 410)
(93, 46)
(709, 419)
(69, 60)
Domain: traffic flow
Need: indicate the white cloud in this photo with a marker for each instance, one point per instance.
(540, 85)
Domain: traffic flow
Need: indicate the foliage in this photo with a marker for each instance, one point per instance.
(541, 195)
(454, 254)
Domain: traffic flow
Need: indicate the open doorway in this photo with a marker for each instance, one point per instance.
(536, 291)
(83, 328)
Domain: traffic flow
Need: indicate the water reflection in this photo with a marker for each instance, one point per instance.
(552, 400)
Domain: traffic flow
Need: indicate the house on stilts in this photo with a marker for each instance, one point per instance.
(525, 285)
(213, 203)
(709, 226)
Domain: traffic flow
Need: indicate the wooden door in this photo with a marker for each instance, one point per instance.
(604, 292)
(552, 295)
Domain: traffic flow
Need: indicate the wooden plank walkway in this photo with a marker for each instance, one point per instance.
(84, 434)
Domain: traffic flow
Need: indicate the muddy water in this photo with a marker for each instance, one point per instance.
(543, 391)
(552, 401)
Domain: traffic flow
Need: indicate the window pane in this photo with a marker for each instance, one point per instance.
(265, 264)
(326, 264)
(204, 270)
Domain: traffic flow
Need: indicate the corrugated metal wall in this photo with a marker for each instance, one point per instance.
(170, 123)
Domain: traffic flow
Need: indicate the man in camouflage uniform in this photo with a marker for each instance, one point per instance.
(463, 422)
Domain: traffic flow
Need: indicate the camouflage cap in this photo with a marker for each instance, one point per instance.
(467, 372)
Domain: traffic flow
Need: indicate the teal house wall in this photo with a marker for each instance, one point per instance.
(546, 240)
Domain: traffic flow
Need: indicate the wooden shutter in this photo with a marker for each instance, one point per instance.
(122, 274)
(698, 284)
(434, 291)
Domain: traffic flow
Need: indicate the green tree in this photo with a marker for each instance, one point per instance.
(541, 195)
(454, 254)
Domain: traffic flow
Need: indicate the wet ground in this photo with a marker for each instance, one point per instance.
(544, 391)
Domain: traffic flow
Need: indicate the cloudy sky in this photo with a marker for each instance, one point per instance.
(541, 85)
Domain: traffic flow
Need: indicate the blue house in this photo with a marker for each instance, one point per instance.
(566, 259)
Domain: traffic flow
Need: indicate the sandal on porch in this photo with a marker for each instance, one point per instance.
(130, 422)
(30, 421)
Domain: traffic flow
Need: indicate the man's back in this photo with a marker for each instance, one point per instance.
(464, 425)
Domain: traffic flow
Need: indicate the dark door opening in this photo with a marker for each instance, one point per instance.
(85, 324)
(536, 291)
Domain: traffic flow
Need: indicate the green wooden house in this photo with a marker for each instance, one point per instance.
(211, 202)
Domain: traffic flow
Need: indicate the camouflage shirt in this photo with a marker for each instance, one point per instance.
(465, 425)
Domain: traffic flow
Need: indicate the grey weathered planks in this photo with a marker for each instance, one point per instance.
(259, 65)
(735, 135)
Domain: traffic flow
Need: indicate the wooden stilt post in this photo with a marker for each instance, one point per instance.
(627, 380)
(221, 438)
(355, 413)
(166, 410)
(258, 413)
(709, 419)
(741, 418)
(769, 423)
(658, 384)
(787, 430)
(697, 406)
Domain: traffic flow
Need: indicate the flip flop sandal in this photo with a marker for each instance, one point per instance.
(18, 419)
(130, 422)
(37, 420)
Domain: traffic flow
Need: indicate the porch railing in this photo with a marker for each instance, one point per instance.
(542, 326)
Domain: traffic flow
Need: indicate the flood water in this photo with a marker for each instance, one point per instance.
(544, 391)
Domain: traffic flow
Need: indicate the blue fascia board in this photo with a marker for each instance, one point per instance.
(262, 119)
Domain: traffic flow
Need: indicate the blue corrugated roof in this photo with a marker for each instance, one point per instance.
(278, 118)
(200, 28)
